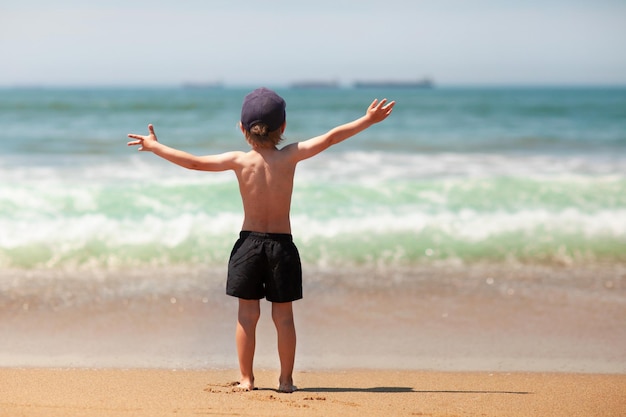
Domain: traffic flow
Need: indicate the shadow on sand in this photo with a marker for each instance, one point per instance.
(408, 389)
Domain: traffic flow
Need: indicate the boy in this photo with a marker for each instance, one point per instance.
(264, 261)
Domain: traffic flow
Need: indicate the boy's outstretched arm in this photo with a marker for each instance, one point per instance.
(376, 112)
(150, 143)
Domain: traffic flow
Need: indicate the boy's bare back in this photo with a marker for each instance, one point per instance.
(265, 178)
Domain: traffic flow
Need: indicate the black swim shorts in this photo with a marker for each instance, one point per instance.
(265, 265)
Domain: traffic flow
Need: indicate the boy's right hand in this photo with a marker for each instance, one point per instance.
(146, 143)
(377, 112)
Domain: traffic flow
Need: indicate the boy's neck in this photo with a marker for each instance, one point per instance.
(263, 147)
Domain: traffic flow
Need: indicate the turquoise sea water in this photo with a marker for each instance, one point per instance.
(454, 175)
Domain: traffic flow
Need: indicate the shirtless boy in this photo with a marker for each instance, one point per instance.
(264, 261)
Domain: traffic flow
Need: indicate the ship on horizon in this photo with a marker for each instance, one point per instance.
(423, 83)
(315, 84)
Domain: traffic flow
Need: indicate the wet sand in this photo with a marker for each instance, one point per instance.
(444, 319)
(153, 393)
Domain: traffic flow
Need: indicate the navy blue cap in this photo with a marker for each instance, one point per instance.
(263, 106)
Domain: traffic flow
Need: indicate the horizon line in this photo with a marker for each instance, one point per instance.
(294, 85)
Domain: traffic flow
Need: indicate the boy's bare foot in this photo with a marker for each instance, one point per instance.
(287, 388)
(243, 386)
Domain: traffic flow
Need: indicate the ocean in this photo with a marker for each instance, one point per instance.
(454, 175)
(477, 179)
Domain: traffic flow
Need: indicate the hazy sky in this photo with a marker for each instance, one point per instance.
(276, 42)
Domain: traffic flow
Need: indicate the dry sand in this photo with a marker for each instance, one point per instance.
(153, 393)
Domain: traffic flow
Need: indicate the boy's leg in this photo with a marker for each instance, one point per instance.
(247, 319)
(282, 314)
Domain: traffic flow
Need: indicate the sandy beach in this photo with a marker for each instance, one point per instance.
(110, 393)
(465, 344)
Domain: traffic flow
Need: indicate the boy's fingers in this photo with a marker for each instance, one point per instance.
(389, 106)
(151, 129)
(381, 105)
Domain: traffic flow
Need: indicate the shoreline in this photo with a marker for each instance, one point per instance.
(149, 392)
(456, 319)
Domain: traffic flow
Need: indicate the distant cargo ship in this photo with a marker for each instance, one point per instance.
(315, 84)
(425, 83)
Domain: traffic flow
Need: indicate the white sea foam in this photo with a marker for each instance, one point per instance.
(366, 168)
(97, 237)
(469, 225)
(63, 211)
(377, 167)
(466, 224)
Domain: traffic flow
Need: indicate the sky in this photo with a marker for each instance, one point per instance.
(277, 42)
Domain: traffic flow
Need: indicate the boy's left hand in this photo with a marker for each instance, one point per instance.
(378, 111)
(146, 143)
